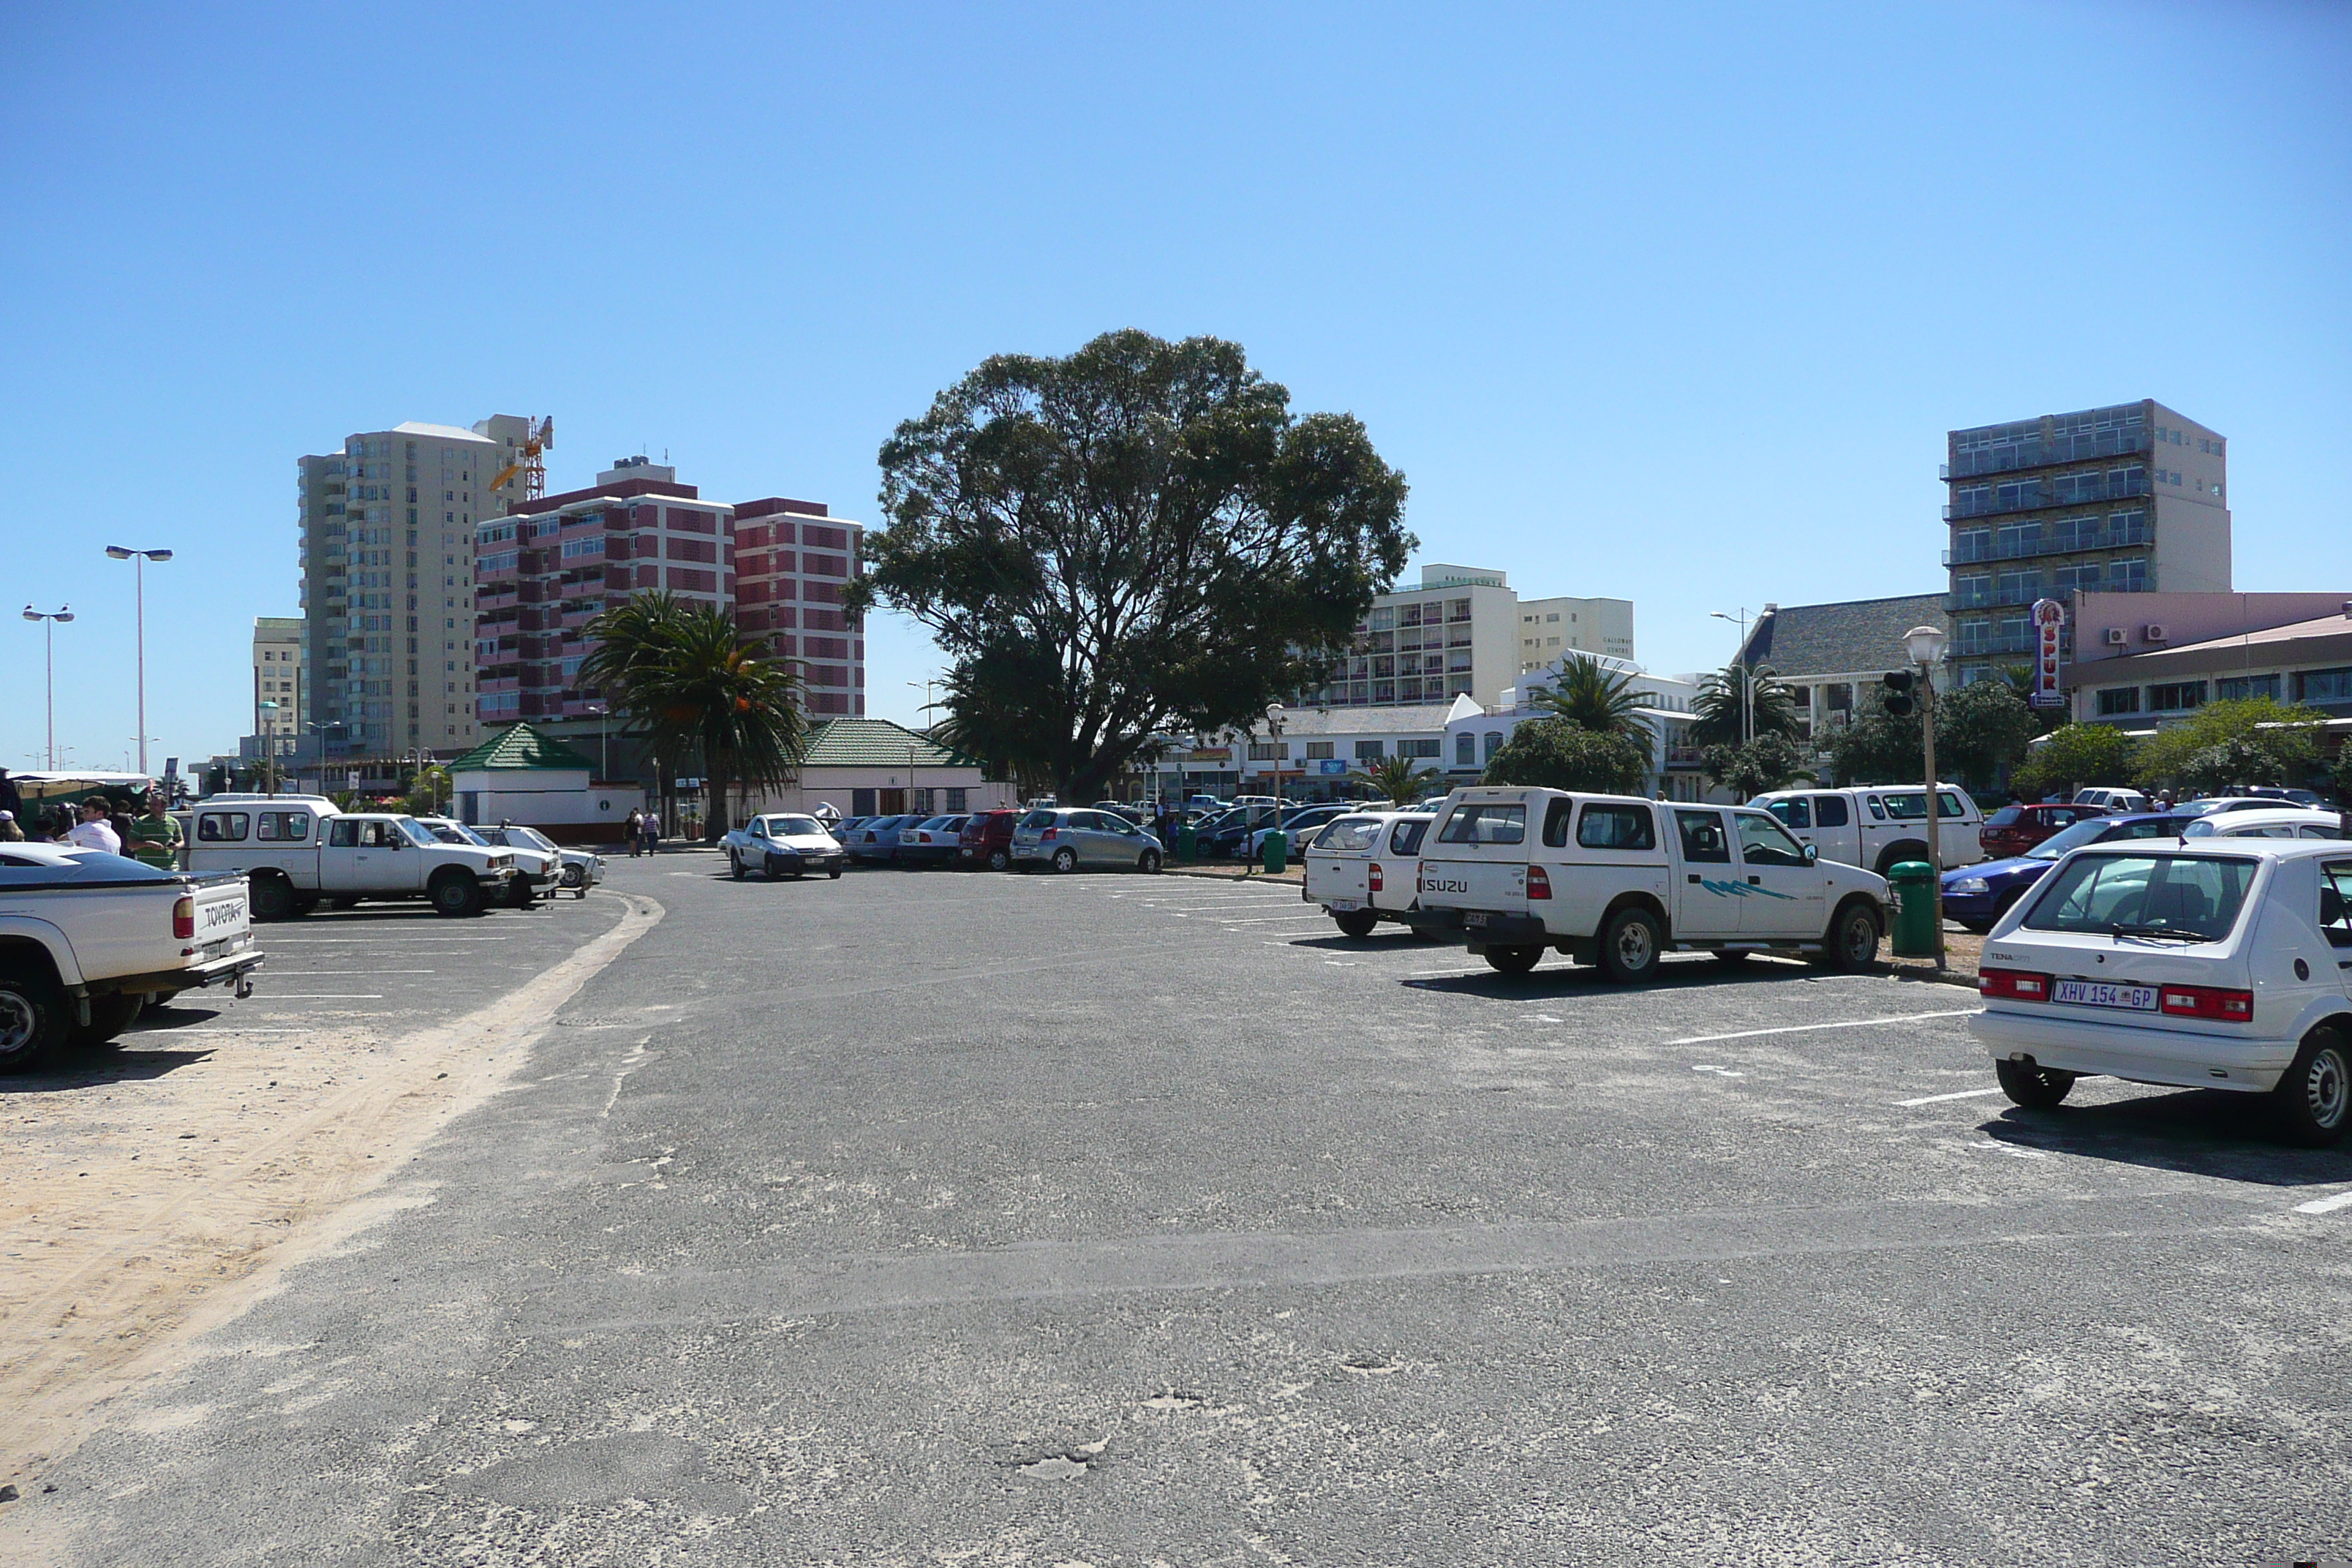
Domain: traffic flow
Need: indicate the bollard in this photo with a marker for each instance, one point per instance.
(1276, 852)
(1914, 883)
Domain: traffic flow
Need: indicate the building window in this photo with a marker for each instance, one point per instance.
(1370, 750)
(1493, 743)
(2119, 700)
(2324, 686)
(2241, 688)
(959, 799)
(1269, 751)
(1457, 609)
(1320, 751)
(1428, 748)
(1465, 750)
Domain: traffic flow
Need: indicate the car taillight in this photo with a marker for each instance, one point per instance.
(1539, 882)
(1373, 879)
(2207, 1002)
(1047, 834)
(183, 919)
(2015, 985)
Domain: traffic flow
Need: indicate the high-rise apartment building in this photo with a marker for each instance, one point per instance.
(2128, 498)
(792, 561)
(390, 648)
(1552, 629)
(1461, 632)
(279, 667)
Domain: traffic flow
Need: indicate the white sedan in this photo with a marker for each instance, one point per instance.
(787, 843)
(2200, 963)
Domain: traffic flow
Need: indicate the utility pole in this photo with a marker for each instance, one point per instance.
(1925, 647)
(1747, 676)
(139, 559)
(49, 619)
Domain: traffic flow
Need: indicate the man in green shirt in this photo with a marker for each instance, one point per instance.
(156, 837)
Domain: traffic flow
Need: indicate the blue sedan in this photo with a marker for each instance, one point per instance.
(1978, 896)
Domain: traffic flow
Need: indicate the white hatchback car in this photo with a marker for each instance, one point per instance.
(2287, 822)
(2212, 963)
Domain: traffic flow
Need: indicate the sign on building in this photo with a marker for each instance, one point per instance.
(2049, 619)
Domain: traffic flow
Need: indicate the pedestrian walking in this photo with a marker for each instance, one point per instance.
(636, 829)
(93, 831)
(652, 827)
(155, 838)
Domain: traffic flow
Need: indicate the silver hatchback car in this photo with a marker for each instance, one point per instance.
(1068, 837)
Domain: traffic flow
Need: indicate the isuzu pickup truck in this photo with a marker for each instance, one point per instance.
(88, 937)
(296, 850)
(1617, 880)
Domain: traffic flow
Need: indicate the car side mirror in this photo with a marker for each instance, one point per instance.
(1812, 853)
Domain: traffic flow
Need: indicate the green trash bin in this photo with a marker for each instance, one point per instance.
(1188, 842)
(1914, 883)
(1276, 853)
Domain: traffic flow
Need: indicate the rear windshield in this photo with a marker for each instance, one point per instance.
(1486, 824)
(1913, 808)
(1351, 835)
(2006, 816)
(2153, 895)
(2101, 830)
(1038, 819)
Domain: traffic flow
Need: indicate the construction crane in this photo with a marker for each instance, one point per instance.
(532, 464)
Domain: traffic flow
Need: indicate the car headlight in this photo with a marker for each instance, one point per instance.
(1967, 885)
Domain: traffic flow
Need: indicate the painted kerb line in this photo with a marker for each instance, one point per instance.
(1956, 1094)
(1803, 1028)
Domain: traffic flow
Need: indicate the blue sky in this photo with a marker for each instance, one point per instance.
(1674, 303)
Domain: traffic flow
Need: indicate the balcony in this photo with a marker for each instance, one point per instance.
(2076, 448)
(1993, 598)
(2106, 539)
(2033, 497)
(2015, 642)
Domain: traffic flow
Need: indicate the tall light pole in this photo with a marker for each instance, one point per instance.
(139, 559)
(927, 686)
(1747, 676)
(49, 653)
(1925, 646)
(604, 757)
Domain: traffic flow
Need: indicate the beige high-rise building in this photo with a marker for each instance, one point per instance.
(1552, 629)
(388, 581)
(279, 685)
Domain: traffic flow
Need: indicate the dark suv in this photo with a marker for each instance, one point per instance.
(987, 840)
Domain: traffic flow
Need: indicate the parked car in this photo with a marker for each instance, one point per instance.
(536, 871)
(877, 839)
(1879, 826)
(2291, 796)
(848, 825)
(2287, 822)
(2205, 963)
(987, 840)
(88, 937)
(296, 849)
(1978, 896)
(2014, 829)
(576, 871)
(1067, 837)
(1228, 836)
(1362, 869)
(783, 844)
(2212, 805)
(1299, 825)
(932, 841)
(1618, 880)
(2102, 797)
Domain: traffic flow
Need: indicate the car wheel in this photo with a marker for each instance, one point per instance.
(1066, 861)
(2034, 1087)
(735, 864)
(1149, 864)
(776, 869)
(1851, 944)
(109, 1016)
(2315, 1098)
(1630, 945)
(272, 898)
(454, 892)
(34, 1019)
(1514, 960)
(1357, 922)
(999, 859)
(834, 873)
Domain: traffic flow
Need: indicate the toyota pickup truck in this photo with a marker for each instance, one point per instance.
(296, 850)
(1618, 881)
(88, 937)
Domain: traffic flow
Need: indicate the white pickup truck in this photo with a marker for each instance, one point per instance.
(88, 937)
(296, 850)
(1362, 868)
(1618, 880)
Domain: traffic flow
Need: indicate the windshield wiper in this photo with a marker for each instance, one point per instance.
(2178, 932)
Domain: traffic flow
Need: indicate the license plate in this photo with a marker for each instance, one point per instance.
(1343, 904)
(1475, 918)
(2102, 994)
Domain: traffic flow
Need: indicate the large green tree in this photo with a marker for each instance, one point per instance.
(1556, 755)
(2074, 756)
(2223, 744)
(1979, 728)
(1139, 537)
(1723, 708)
(1764, 763)
(1591, 696)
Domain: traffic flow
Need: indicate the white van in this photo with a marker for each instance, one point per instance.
(1618, 880)
(296, 849)
(1879, 826)
(1362, 868)
(2112, 800)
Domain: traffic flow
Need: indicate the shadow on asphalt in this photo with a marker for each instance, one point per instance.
(104, 1064)
(1561, 979)
(2196, 1132)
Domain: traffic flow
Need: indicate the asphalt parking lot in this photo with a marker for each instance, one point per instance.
(926, 1218)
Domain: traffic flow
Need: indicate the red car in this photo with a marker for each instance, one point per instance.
(2014, 829)
(987, 840)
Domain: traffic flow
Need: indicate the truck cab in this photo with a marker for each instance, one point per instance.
(1618, 880)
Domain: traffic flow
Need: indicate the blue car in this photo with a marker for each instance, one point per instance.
(1978, 895)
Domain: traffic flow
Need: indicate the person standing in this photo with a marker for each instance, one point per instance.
(652, 831)
(636, 828)
(93, 831)
(9, 832)
(155, 838)
(10, 801)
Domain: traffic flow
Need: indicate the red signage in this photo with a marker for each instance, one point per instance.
(2049, 617)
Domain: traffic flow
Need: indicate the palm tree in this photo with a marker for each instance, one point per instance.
(1725, 704)
(1398, 779)
(1591, 696)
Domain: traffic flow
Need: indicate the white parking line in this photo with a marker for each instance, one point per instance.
(225, 1029)
(1268, 919)
(1801, 1028)
(338, 973)
(1940, 1098)
(319, 997)
(2327, 1204)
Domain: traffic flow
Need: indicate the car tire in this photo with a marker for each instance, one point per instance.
(456, 893)
(2034, 1087)
(774, 870)
(34, 1019)
(1851, 944)
(109, 1016)
(1515, 960)
(1630, 945)
(271, 898)
(1357, 922)
(1066, 861)
(2313, 1099)
(1150, 863)
(1000, 860)
(735, 865)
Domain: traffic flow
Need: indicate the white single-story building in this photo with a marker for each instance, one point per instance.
(521, 776)
(868, 767)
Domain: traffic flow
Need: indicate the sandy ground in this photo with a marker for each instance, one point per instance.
(154, 1196)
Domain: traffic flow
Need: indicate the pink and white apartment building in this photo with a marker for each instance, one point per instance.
(542, 575)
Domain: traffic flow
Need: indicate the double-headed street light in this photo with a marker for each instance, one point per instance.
(139, 558)
(49, 652)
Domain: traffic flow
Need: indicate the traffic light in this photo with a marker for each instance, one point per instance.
(1899, 702)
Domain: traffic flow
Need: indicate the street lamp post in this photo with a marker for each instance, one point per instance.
(1925, 645)
(927, 686)
(1747, 676)
(139, 559)
(604, 757)
(49, 619)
